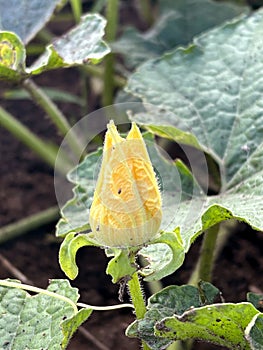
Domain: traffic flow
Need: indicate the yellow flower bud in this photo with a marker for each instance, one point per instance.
(126, 209)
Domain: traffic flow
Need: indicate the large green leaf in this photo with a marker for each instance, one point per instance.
(169, 301)
(222, 324)
(187, 312)
(209, 96)
(179, 21)
(27, 17)
(34, 322)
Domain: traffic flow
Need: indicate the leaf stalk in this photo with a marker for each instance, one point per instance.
(112, 14)
(25, 225)
(27, 137)
(56, 116)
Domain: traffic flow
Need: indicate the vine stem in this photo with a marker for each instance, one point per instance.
(137, 298)
(105, 308)
(33, 289)
(112, 14)
(27, 137)
(146, 11)
(76, 6)
(57, 117)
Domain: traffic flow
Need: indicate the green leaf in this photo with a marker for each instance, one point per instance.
(75, 213)
(254, 333)
(68, 250)
(169, 301)
(179, 21)
(222, 324)
(70, 325)
(33, 322)
(12, 57)
(26, 18)
(120, 266)
(209, 96)
(79, 46)
(256, 300)
(165, 255)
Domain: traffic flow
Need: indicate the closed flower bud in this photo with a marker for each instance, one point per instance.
(126, 209)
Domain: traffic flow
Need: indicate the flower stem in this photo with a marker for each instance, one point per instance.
(112, 14)
(57, 117)
(23, 134)
(137, 300)
(137, 296)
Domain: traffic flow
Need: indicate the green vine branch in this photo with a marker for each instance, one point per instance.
(28, 224)
(57, 117)
(27, 137)
(112, 14)
(34, 289)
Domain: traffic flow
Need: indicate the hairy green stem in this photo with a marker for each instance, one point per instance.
(57, 117)
(25, 225)
(137, 299)
(23, 134)
(112, 14)
(137, 296)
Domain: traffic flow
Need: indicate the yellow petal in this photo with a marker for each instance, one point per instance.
(126, 210)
